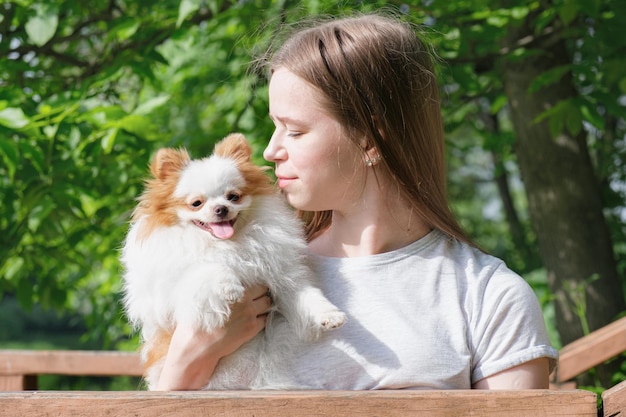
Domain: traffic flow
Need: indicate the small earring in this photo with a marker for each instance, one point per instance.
(373, 161)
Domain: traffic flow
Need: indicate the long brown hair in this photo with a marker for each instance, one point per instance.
(376, 77)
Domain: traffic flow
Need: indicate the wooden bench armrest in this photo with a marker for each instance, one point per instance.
(19, 369)
(591, 350)
(69, 362)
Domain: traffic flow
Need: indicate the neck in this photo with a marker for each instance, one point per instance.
(374, 227)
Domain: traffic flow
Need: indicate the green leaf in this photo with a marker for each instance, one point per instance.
(134, 123)
(41, 27)
(568, 12)
(10, 155)
(564, 115)
(109, 140)
(573, 120)
(186, 8)
(34, 154)
(520, 12)
(545, 18)
(552, 76)
(215, 5)
(556, 124)
(591, 115)
(147, 106)
(125, 30)
(12, 268)
(156, 56)
(89, 205)
(39, 214)
(50, 130)
(498, 21)
(13, 118)
(498, 104)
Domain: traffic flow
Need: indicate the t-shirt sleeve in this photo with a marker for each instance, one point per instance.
(507, 325)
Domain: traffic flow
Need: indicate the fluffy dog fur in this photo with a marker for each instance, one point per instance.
(203, 231)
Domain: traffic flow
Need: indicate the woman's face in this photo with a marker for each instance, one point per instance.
(317, 166)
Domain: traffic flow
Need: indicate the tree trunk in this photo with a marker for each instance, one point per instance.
(564, 198)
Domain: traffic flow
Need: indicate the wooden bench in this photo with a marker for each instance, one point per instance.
(589, 351)
(19, 370)
(614, 401)
(458, 403)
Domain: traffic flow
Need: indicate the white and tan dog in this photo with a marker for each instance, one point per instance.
(203, 231)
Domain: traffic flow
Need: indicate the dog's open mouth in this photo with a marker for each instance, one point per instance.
(221, 230)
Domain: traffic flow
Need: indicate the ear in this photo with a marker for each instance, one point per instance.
(168, 161)
(369, 149)
(234, 146)
(372, 157)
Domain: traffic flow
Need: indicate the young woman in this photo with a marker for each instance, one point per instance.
(359, 152)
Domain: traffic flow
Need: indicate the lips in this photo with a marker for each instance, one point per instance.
(221, 230)
(283, 182)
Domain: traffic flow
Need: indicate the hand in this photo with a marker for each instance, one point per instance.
(193, 354)
(247, 318)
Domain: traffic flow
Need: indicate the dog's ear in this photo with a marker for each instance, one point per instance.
(234, 146)
(168, 161)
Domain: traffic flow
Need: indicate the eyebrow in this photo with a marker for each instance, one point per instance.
(287, 120)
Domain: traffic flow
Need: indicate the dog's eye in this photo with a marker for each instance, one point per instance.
(233, 197)
(196, 203)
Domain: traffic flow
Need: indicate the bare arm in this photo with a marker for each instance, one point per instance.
(530, 375)
(193, 355)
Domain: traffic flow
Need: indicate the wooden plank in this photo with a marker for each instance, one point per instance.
(18, 382)
(12, 382)
(591, 350)
(72, 362)
(614, 401)
(457, 403)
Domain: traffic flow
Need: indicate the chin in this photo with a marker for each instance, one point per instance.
(203, 231)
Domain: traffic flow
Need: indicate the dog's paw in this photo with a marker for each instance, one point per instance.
(232, 293)
(332, 320)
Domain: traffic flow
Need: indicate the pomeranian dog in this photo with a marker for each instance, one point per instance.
(203, 231)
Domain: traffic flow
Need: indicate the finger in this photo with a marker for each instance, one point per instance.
(261, 321)
(258, 291)
(262, 305)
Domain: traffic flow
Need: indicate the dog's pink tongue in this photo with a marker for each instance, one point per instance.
(222, 230)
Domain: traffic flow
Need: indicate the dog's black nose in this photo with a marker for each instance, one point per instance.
(221, 211)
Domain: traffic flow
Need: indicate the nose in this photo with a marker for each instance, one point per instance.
(220, 211)
(274, 150)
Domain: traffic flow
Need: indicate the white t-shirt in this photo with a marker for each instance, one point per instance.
(436, 314)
